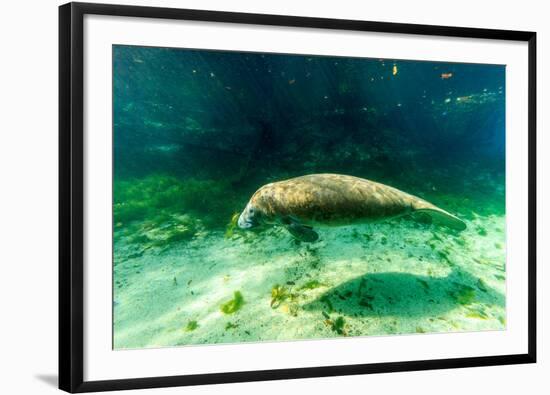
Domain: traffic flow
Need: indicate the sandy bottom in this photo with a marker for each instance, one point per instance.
(390, 278)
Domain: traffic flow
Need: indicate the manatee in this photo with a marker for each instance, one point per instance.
(300, 204)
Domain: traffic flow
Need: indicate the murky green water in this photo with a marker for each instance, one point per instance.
(197, 132)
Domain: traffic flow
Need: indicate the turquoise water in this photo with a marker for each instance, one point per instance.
(196, 133)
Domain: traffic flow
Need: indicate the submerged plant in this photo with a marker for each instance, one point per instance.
(478, 313)
(481, 231)
(326, 300)
(481, 285)
(232, 226)
(338, 325)
(180, 234)
(231, 325)
(233, 305)
(279, 294)
(139, 238)
(311, 284)
(156, 197)
(464, 295)
(191, 326)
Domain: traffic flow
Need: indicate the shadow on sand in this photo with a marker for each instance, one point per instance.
(404, 294)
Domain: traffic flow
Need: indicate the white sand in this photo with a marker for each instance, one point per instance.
(408, 278)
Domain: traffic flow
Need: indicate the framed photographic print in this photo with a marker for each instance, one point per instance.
(257, 197)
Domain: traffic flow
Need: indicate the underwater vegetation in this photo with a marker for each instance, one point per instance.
(278, 295)
(232, 229)
(158, 197)
(230, 325)
(311, 284)
(338, 325)
(191, 326)
(233, 305)
(281, 294)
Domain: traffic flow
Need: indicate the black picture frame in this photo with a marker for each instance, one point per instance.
(71, 205)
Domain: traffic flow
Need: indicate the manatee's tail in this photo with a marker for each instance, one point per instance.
(438, 215)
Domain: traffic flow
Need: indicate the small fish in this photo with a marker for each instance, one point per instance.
(464, 98)
(292, 81)
(394, 69)
(446, 76)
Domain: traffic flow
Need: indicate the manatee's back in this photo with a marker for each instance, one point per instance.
(332, 199)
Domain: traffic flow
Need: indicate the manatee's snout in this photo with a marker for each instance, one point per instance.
(248, 218)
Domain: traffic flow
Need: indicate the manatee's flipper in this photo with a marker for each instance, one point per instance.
(302, 232)
(442, 217)
(299, 231)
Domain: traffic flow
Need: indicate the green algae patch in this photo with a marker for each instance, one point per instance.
(231, 325)
(191, 326)
(338, 325)
(139, 238)
(312, 284)
(464, 294)
(481, 285)
(279, 294)
(233, 305)
(481, 231)
(443, 255)
(156, 197)
(477, 313)
(177, 235)
(232, 226)
(327, 302)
